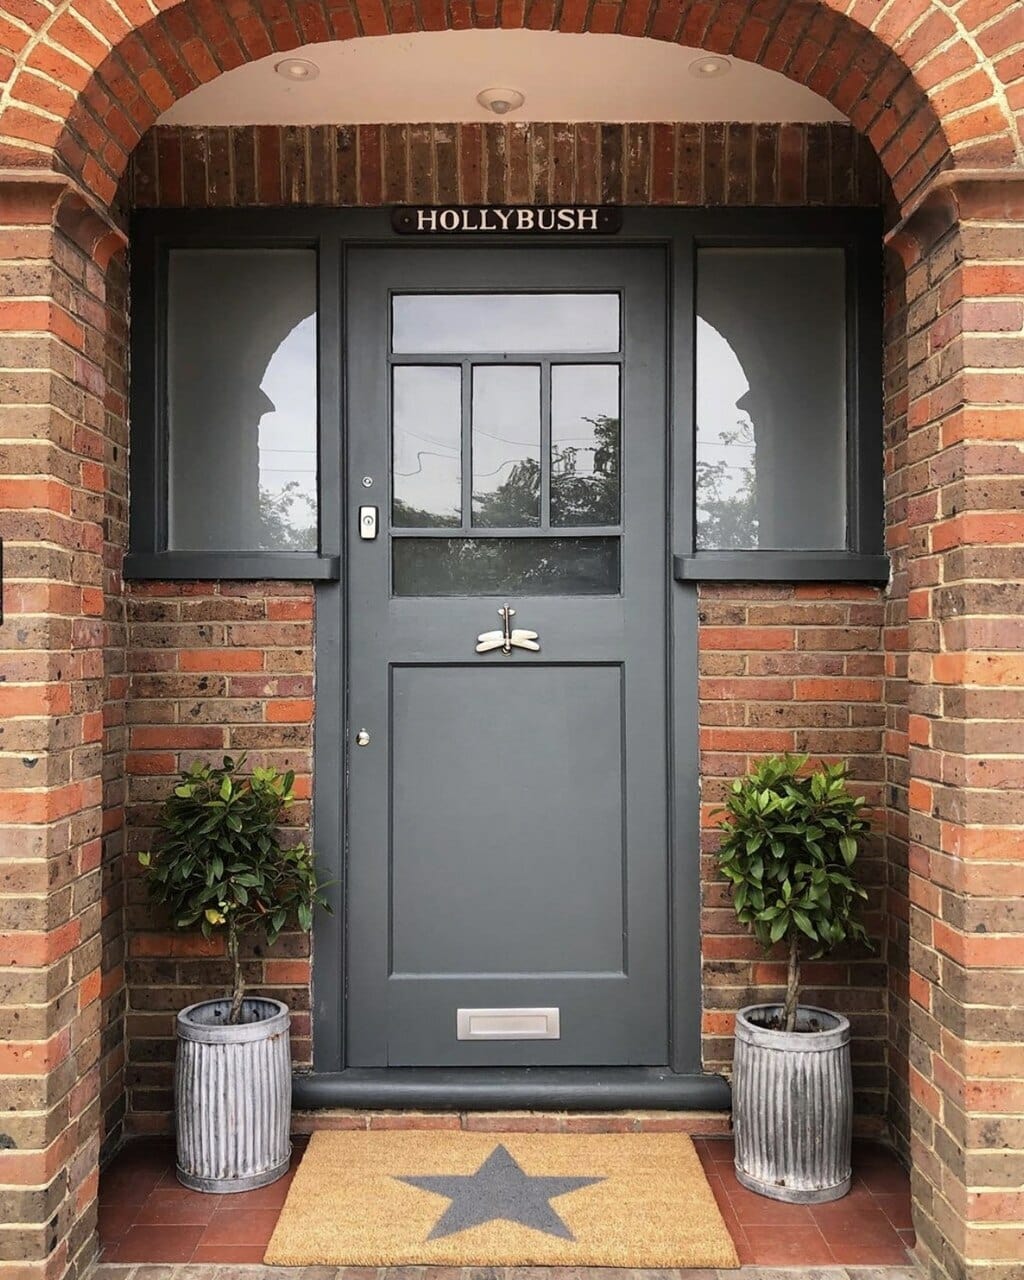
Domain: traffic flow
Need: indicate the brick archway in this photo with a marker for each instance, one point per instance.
(88, 80)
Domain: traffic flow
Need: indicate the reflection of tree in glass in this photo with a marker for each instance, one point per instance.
(727, 495)
(489, 566)
(405, 516)
(284, 526)
(582, 496)
(515, 502)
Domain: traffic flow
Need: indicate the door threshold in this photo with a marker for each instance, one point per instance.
(511, 1088)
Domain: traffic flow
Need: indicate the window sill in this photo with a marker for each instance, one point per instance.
(781, 566)
(243, 566)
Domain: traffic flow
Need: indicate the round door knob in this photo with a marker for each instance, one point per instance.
(362, 738)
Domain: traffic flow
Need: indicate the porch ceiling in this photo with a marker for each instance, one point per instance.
(434, 76)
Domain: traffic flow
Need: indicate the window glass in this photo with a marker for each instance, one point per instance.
(242, 400)
(771, 399)
(585, 444)
(500, 566)
(506, 445)
(425, 323)
(426, 436)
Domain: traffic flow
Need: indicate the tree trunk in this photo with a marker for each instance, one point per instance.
(238, 983)
(792, 983)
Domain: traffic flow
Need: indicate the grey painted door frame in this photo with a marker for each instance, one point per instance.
(680, 1083)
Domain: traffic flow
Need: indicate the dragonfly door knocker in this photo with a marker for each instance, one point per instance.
(506, 639)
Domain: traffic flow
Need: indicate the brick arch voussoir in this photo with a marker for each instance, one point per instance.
(141, 71)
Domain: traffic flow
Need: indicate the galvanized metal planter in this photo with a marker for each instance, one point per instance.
(793, 1105)
(232, 1092)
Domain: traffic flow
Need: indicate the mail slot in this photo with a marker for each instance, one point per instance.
(507, 1024)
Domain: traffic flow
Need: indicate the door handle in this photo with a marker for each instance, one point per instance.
(506, 639)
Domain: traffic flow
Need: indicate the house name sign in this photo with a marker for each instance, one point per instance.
(501, 219)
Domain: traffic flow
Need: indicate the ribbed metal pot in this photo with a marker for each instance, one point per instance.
(792, 1105)
(233, 1091)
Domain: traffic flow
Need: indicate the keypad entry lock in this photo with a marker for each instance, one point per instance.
(367, 523)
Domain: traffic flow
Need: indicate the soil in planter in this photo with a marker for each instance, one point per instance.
(778, 1023)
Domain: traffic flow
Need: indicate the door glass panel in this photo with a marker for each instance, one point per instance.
(499, 566)
(506, 446)
(426, 427)
(242, 400)
(585, 444)
(505, 322)
(771, 399)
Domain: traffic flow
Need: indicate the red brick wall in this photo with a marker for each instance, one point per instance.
(898, 473)
(61, 486)
(370, 164)
(781, 667)
(793, 668)
(960, 480)
(215, 669)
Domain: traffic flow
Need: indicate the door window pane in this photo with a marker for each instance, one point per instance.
(426, 434)
(506, 446)
(771, 399)
(500, 566)
(585, 444)
(241, 400)
(504, 322)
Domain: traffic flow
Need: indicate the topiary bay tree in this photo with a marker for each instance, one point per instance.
(790, 844)
(221, 866)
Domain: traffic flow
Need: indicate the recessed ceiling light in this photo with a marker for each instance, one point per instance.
(500, 101)
(297, 69)
(710, 66)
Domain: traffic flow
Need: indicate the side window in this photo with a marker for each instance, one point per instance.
(241, 400)
(771, 400)
(787, 400)
(226, 467)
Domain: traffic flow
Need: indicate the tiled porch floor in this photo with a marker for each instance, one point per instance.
(146, 1216)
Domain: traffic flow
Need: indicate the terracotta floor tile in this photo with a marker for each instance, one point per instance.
(760, 1211)
(229, 1253)
(155, 1244)
(115, 1219)
(241, 1226)
(720, 1150)
(177, 1206)
(890, 1179)
(789, 1246)
(880, 1252)
(897, 1209)
(850, 1214)
(121, 1187)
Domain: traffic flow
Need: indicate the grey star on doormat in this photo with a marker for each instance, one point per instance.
(499, 1189)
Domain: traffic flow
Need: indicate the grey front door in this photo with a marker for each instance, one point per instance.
(506, 882)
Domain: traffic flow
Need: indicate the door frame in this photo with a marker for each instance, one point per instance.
(679, 1082)
(679, 231)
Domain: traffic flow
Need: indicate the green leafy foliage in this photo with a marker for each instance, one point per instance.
(790, 844)
(220, 864)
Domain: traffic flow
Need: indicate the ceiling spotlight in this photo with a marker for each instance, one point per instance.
(500, 101)
(708, 67)
(297, 69)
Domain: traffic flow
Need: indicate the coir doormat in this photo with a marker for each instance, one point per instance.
(455, 1198)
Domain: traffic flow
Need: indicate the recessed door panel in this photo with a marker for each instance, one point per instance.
(507, 852)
